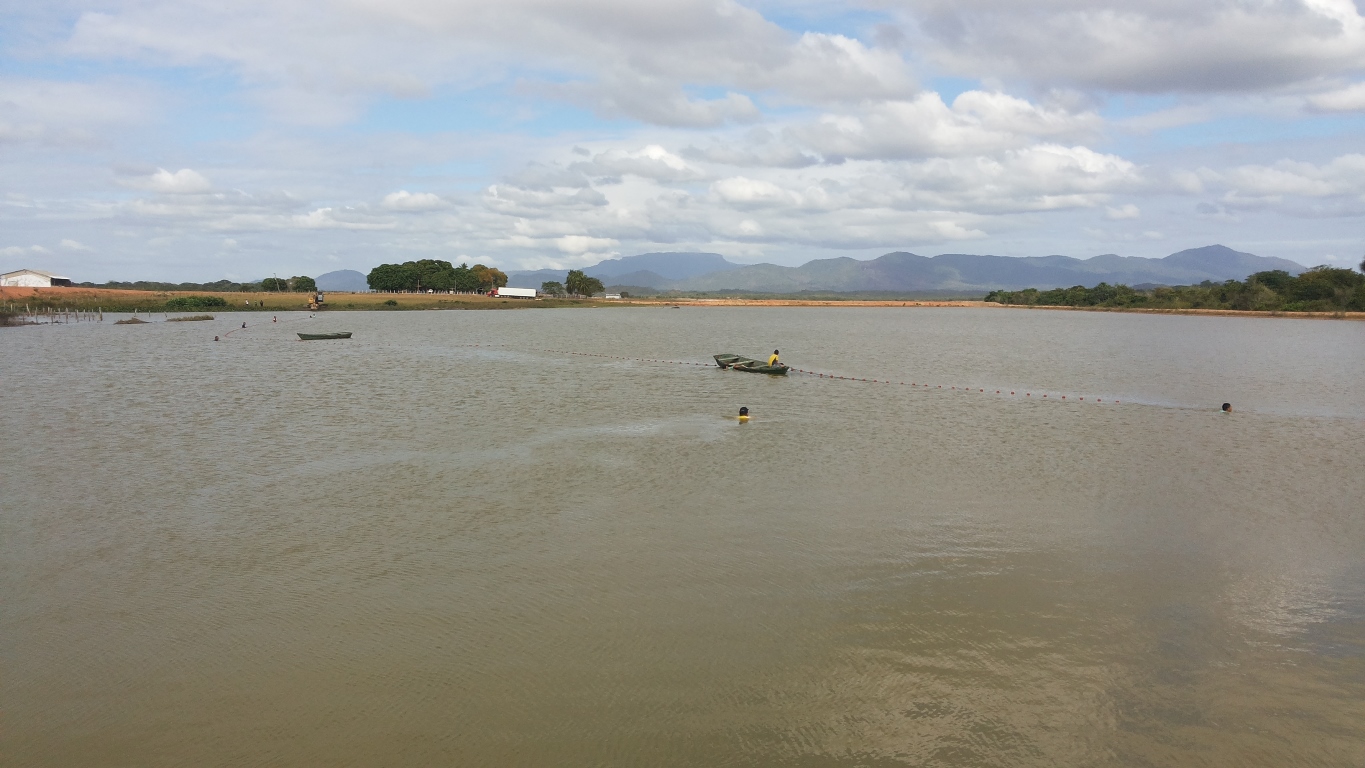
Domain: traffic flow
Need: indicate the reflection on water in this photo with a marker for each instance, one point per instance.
(401, 550)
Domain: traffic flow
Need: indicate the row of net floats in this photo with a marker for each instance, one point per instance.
(798, 370)
(276, 321)
(915, 384)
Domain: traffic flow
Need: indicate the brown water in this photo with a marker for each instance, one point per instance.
(403, 551)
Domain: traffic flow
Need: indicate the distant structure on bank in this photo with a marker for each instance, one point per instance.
(32, 278)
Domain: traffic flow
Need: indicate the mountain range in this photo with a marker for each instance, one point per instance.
(650, 270)
(909, 273)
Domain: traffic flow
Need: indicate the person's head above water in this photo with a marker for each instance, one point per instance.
(774, 351)
(1227, 407)
(743, 411)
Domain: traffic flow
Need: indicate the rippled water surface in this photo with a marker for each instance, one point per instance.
(404, 550)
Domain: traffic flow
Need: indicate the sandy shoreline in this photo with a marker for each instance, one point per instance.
(119, 300)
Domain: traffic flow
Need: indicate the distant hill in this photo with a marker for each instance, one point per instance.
(646, 269)
(670, 266)
(960, 272)
(342, 280)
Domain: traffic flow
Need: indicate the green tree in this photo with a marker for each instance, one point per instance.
(419, 275)
(432, 274)
(579, 284)
(574, 282)
(552, 288)
(465, 281)
(1276, 279)
(390, 277)
(302, 284)
(274, 284)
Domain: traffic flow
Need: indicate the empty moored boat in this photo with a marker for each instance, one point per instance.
(320, 336)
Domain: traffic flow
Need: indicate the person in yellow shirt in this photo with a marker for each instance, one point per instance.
(743, 414)
(773, 359)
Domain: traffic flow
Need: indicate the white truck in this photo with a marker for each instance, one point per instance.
(517, 293)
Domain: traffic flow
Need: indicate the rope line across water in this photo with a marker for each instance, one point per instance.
(273, 322)
(815, 374)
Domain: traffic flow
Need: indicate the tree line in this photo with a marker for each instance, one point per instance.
(432, 274)
(1320, 289)
(295, 284)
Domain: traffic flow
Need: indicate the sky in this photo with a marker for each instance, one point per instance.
(190, 140)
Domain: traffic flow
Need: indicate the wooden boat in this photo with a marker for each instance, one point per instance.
(741, 363)
(320, 336)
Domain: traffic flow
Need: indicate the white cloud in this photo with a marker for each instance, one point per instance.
(183, 182)
(15, 250)
(1288, 187)
(1343, 176)
(1039, 178)
(659, 104)
(1348, 99)
(616, 56)
(748, 192)
(731, 131)
(337, 218)
(69, 113)
(977, 122)
(73, 245)
(578, 244)
(651, 162)
(760, 154)
(519, 201)
(825, 68)
(1153, 46)
(403, 200)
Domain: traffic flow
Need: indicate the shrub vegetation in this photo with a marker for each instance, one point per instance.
(187, 303)
(1320, 289)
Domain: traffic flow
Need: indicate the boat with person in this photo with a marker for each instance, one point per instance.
(321, 336)
(741, 363)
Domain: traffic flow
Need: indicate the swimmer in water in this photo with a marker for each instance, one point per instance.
(743, 414)
(773, 359)
(1227, 407)
(243, 325)
(215, 338)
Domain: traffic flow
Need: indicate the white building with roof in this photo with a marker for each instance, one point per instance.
(32, 278)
